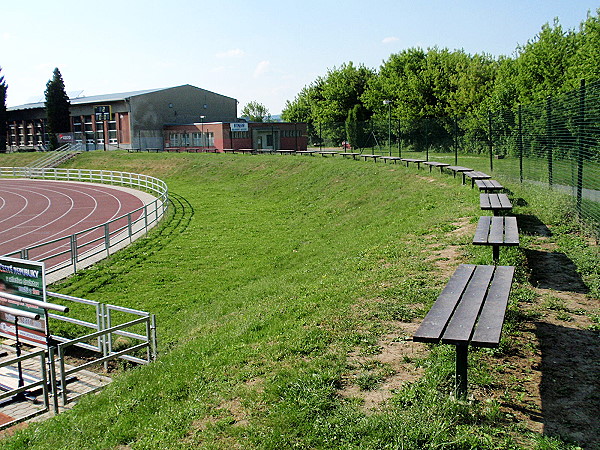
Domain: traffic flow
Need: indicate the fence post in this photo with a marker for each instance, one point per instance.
(455, 136)
(580, 145)
(490, 141)
(53, 381)
(549, 140)
(74, 252)
(399, 141)
(520, 143)
(107, 239)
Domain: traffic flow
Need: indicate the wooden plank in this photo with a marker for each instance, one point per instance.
(491, 320)
(484, 201)
(435, 321)
(504, 201)
(482, 231)
(495, 201)
(511, 231)
(496, 235)
(460, 327)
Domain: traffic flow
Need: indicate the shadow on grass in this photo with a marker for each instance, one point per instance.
(554, 270)
(175, 222)
(570, 383)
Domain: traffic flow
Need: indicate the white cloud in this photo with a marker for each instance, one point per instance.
(262, 68)
(389, 40)
(233, 53)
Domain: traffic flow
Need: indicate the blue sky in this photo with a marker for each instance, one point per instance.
(265, 51)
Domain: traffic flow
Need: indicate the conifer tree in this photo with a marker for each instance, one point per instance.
(57, 108)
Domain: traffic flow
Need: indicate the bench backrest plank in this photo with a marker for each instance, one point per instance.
(489, 327)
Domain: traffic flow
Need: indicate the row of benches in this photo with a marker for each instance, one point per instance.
(471, 308)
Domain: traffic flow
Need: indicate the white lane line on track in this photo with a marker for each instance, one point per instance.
(80, 191)
(38, 228)
(4, 203)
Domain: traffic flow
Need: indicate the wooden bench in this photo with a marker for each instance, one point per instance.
(247, 150)
(353, 154)
(496, 231)
(488, 185)
(495, 202)
(458, 169)
(327, 153)
(475, 175)
(412, 160)
(469, 311)
(391, 158)
(365, 156)
(286, 152)
(306, 152)
(433, 164)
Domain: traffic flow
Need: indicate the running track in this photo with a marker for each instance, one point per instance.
(37, 211)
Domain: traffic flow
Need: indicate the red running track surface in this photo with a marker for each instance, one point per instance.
(37, 211)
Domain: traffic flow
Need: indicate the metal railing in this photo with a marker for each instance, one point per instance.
(77, 251)
(52, 375)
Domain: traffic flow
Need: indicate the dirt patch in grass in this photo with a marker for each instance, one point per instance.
(374, 378)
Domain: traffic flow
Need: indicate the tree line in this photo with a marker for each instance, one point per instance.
(418, 84)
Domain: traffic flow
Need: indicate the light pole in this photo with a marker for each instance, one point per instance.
(389, 103)
(202, 132)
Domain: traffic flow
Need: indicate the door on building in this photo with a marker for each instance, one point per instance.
(266, 139)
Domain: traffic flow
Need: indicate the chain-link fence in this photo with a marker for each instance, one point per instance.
(555, 142)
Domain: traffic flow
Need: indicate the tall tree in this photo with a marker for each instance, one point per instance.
(256, 112)
(3, 88)
(57, 108)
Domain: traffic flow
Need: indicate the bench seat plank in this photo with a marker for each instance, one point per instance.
(434, 324)
(489, 327)
(460, 327)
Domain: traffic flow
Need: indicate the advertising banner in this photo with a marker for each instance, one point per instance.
(21, 280)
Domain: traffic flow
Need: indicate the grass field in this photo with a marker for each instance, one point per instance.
(281, 286)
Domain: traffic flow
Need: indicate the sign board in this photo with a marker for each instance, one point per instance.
(66, 138)
(102, 113)
(239, 126)
(27, 279)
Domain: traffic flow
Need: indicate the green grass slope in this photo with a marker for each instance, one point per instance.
(269, 272)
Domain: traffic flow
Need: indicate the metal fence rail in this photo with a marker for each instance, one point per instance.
(79, 250)
(51, 375)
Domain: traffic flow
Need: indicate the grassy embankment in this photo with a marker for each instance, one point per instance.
(276, 281)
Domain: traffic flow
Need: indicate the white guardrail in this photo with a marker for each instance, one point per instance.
(79, 250)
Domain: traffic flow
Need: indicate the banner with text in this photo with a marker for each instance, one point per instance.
(26, 279)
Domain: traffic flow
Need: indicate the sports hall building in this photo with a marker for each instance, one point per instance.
(178, 117)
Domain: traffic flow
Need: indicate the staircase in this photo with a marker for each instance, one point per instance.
(57, 157)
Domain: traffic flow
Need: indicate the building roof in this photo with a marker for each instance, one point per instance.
(79, 100)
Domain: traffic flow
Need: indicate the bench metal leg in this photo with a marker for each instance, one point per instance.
(495, 253)
(462, 352)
